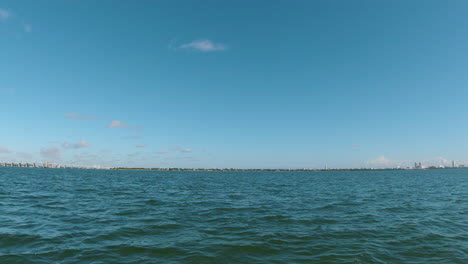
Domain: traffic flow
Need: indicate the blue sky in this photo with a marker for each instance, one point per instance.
(290, 84)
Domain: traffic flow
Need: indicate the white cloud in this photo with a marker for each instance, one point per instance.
(76, 145)
(384, 162)
(203, 45)
(4, 150)
(139, 146)
(439, 161)
(52, 153)
(179, 148)
(4, 14)
(117, 123)
(380, 162)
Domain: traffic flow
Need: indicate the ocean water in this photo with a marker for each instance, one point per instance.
(95, 216)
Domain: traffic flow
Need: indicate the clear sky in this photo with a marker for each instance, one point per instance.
(290, 84)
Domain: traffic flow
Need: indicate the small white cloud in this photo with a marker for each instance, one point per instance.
(4, 150)
(203, 45)
(139, 146)
(4, 14)
(77, 145)
(440, 161)
(176, 148)
(187, 150)
(52, 153)
(380, 162)
(116, 123)
(437, 161)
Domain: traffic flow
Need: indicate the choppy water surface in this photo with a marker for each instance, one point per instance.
(90, 216)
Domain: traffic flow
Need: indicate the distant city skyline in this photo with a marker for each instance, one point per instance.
(50, 165)
(243, 84)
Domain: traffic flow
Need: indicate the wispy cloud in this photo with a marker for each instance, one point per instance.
(134, 155)
(139, 146)
(7, 15)
(8, 91)
(380, 162)
(4, 14)
(119, 124)
(76, 145)
(440, 160)
(161, 152)
(4, 150)
(78, 116)
(180, 149)
(203, 45)
(437, 161)
(52, 153)
(116, 123)
(27, 28)
(384, 162)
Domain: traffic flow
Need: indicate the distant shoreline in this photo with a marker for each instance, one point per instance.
(273, 170)
(13, 165)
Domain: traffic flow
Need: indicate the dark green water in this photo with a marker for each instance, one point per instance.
(90, 216)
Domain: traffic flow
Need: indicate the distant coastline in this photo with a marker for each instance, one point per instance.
(283, 170)
(59, 166)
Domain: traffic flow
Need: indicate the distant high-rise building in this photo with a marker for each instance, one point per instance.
(453, 164)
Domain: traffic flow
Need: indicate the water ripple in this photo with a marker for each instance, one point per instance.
(87, 216)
